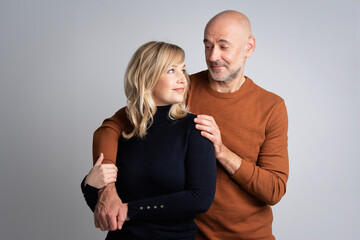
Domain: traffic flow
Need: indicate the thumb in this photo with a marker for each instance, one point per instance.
(99, 160)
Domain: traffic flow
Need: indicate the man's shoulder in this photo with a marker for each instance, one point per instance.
(119, 120)
(199, 76)
(121, 114)
(263, 94)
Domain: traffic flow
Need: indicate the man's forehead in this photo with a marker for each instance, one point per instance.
(220, 30)
(219, 36)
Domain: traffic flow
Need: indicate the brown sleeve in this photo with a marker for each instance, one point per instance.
(106, 137)
(267, 180)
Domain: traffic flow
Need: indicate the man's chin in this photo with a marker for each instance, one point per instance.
(218, 76)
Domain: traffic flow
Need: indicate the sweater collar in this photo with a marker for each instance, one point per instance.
(162, 112)
(238, 92)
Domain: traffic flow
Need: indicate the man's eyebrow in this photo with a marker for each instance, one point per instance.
(220, 41)
(224, 41)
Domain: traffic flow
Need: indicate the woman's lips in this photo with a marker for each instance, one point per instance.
(179, 89)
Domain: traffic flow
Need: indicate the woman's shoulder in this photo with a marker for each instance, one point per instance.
(188, 119)
(190, 124)
(186, 123)
(190, 115)
(194, 135)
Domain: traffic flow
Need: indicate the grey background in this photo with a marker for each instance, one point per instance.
(61, 72)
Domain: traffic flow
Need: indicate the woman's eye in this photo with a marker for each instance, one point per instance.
(171, 71)
(183, 71)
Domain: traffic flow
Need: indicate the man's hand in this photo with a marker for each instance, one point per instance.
(209, 129)
(110, 213)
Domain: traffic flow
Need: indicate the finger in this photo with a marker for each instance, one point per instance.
(110, 180)
(204, 128)
(110, 176)
(96, 222)
(109, 166)
(207, 117)
(107, 172)
(105, 175)
(103, 221)
(99, 160)
(102, 228)
(208, 136)
(112, 223)
(210, 119)
(119, 222)
(204, 122)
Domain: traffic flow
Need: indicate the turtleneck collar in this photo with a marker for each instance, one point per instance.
(161, 114)
(162, 109)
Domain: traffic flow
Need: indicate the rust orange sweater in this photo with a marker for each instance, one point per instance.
(253, 124)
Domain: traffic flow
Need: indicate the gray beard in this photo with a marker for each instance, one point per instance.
(228, 78)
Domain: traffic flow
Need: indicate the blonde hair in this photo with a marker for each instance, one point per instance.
(143, 71)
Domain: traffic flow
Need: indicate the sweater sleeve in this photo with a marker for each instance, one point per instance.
(199, 192)
(90, 194)
(106, 137)
(267, 179)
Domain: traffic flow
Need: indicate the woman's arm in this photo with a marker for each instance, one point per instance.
(98, 177)
(199, 192)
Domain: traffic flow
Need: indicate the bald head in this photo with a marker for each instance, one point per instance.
(228, 43)
(230, 18)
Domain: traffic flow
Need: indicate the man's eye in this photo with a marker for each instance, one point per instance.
(223, 47)
(171, 71)
(207, 47)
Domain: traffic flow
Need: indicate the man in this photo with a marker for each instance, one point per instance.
(248, 128)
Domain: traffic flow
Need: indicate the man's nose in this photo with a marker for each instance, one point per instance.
(214, 55)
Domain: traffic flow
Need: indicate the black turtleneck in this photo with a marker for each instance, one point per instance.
(166, 178)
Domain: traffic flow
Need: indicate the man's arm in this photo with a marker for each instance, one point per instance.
(109, 211)
(105, 140)
(267, 179)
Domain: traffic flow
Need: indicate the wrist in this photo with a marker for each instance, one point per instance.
(108, 192)
(221, 152)
(229, 160)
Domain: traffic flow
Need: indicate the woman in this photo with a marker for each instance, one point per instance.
(166, 171)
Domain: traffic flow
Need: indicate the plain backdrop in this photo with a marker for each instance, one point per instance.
(61, 73)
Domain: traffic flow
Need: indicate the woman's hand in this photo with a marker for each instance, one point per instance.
(101, 174)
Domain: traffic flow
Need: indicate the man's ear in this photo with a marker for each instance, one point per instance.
(250, 47)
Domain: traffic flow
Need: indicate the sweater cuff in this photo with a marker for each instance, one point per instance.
(244, 174)
(88, 190)
(141, 209)
(108, 161)
(132, 210)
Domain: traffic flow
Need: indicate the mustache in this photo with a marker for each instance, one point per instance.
(219, 63)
